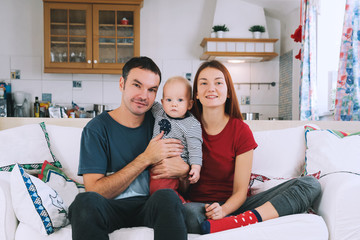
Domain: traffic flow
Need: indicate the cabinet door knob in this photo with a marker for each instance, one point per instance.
(95, 61)
(89, 61)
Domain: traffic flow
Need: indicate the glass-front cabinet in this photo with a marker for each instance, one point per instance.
(115, 35)
(90, 37)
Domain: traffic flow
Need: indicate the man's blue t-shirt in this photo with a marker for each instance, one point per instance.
(107, 146)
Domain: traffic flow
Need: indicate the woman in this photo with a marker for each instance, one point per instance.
(227, 160)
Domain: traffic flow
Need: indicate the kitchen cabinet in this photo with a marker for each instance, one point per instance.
(90, 36)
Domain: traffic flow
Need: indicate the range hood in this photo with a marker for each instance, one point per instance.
(238, 49)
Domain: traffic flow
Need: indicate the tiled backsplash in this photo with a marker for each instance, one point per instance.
(286, 77)
(96, 88)
(104, 88)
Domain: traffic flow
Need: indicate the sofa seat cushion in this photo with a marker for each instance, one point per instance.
(294, 227)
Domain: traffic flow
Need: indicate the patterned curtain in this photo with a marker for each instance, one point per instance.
(347, 100)
(308, 98)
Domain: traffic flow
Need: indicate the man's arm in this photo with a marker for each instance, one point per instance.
(113, 185)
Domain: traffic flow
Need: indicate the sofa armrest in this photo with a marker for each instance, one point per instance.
(8, 221)
(339, 205)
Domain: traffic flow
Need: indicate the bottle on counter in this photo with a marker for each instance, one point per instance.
(2, 103)
(37, 107)
(82, 113)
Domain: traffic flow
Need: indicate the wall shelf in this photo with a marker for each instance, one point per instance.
(246, 49)
(272, 84)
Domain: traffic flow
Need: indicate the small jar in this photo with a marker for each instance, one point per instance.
(124, 21)
(82, 113)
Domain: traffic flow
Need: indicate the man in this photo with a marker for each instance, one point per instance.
(116, 151)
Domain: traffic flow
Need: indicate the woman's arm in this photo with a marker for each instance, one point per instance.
(243, 164)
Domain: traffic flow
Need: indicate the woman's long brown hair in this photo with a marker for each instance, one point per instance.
(231, 105)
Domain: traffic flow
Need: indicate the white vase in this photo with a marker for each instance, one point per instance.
(213, 35)
(219, 34)
(257, 34)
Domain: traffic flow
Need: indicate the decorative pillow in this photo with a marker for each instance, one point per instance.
(57, 180)
(331, 151)
(259, 183)
(26, 145)
(254, 180)
(36, 204)
(280, 153)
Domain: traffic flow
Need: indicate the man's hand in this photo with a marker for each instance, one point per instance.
(174, 167)
(159, 149)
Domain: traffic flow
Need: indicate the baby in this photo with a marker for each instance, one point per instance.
(177, 122)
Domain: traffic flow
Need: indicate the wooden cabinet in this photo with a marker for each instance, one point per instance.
(90, 36)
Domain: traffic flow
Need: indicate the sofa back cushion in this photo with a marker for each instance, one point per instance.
(65, 144)
(280, 153)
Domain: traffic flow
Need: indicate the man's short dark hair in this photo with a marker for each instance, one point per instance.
(142, 63)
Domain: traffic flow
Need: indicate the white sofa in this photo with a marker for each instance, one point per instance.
(338, 208)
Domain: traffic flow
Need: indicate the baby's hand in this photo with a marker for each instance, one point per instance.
(194, 174)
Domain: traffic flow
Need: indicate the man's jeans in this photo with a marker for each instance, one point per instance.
(93, 217)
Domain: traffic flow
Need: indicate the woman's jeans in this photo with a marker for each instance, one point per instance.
(93, 217)
(293, 196)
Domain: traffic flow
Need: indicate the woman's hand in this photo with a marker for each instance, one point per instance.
(214, 211)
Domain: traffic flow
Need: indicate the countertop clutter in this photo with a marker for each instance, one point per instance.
(75, 111)
(20, 104)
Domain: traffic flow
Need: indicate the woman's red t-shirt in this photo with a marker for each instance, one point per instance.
(219, 153)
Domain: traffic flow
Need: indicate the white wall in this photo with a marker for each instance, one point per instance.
(171, 32)
(239, 16)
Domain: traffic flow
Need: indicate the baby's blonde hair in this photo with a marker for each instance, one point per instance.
(181, 80)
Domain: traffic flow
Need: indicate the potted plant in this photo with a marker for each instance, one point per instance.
(219, 30)
(257, 30)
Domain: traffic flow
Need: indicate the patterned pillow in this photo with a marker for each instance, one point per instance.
(57, 180)
(28, 145)
(331, 151)
(36, 204)
(255, 179)
(260, 183)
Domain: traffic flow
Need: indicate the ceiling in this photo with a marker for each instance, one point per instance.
(276, 8)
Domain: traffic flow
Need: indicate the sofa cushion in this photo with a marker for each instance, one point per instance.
(65, 144)
(36, 204)
(294, 227)
(62, 184)
(331, 151)
(280, 153)
(28, 146)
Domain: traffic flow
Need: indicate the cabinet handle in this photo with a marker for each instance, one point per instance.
(89, 61)
(95, 61)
